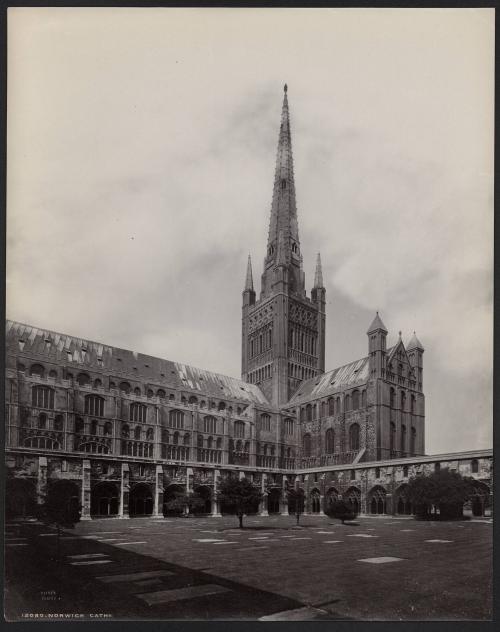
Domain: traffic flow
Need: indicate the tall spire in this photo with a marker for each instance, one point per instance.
(249, 278)
(283, 208)
(318, 275)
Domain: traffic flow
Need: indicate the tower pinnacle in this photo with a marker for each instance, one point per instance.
(249, 277)
(318, 275)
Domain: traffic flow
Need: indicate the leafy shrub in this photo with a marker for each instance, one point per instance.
(341, 510)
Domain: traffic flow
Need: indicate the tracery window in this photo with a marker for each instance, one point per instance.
(94, 405)
(42, 397)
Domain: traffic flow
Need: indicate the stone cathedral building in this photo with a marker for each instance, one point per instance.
(130, 430)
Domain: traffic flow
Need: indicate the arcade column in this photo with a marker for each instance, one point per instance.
(124, 492)
(215, 503)
(85, 490)
(158, 499)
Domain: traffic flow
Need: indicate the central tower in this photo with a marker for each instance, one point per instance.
(283, 333)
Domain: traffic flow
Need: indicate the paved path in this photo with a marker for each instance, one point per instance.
(206, 568)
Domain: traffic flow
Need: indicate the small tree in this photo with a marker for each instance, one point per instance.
(240, 495)
(444, 490)
(296, 498)
(341, 510)
(185, 503)
(61, 508)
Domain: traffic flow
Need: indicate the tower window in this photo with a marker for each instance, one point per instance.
(283, 183)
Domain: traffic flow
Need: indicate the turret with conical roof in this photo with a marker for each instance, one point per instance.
(415, 350)
(377, 325)
(377, 334)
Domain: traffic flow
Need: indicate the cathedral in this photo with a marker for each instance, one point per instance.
(129, 431)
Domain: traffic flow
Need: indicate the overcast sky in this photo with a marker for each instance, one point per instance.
(141, 153)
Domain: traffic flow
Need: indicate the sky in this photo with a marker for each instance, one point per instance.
(140, 164)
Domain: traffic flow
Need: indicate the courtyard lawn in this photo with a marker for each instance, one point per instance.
(380, 568)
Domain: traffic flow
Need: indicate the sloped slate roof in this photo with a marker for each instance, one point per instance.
(86, 354)
(332, 382)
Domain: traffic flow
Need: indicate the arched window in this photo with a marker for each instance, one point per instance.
(125, 431)
(219, 443)
(403, 440)
(210, 424)
(309, 412)
(273, 450)
(329, 441)
(125, 387)
(222, 406)
(42, 421)
(392, 402)
(331, 406)
(324, 409)
(37, 369)
(171, 397)
(108, 428)
(42, 397)
(363, 399)
(160, 393)
(347, 402)
(137, 432)
(58, 422)
(403, 400)
(474, 466)
(193, 400)
(392, 438)
(354, 437)
(437, 467)
(97, 383)
(83, 379)
(302, 414)
(176, 438)
(137, 391)
(176, 419)
(289, 427)
(53, 373)
(265, 422)
(412, 404)
(239, 429)
(413, 441)
(79, 425)
(94, 405)
(138, 412)
(93, 427)
(199, 441)
(355, 400)
(338, 408)
(306, 445)
(187, 439)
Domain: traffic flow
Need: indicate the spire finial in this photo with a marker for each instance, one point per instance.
(400, 334)
(249, 277)
(318, 275)
(285, 88)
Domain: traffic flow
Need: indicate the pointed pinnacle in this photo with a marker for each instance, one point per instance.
(318, 275)
(249, 278)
